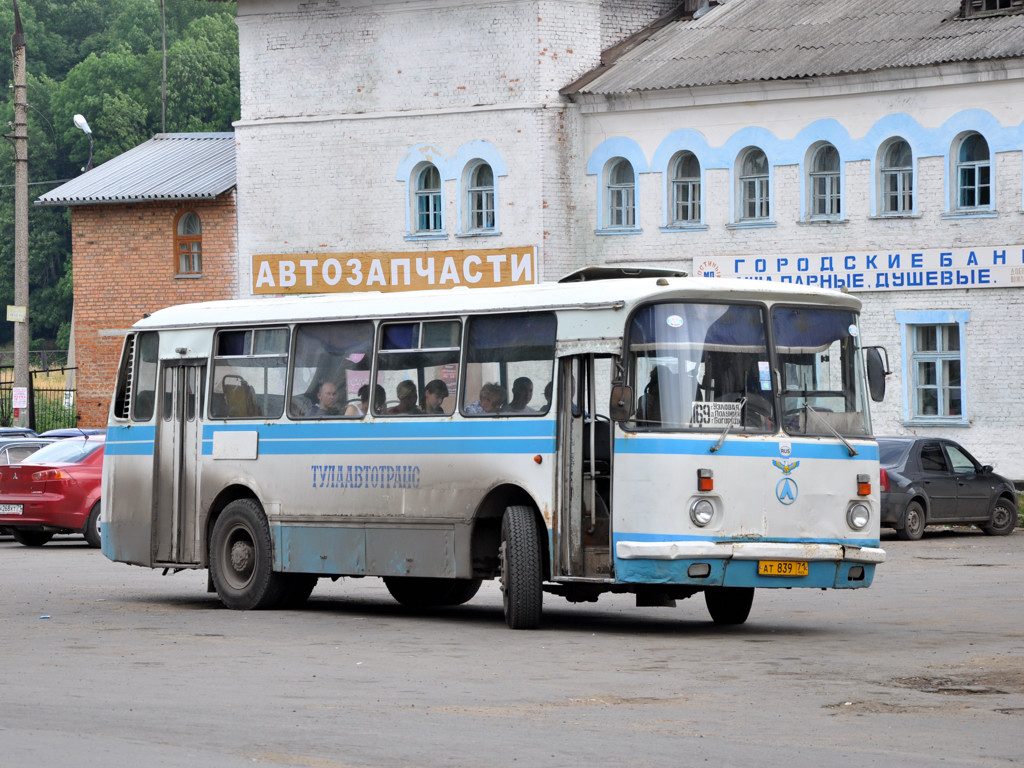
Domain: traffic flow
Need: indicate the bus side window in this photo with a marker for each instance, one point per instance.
(418, 368)
(509, 365)
(144, 391)
(328, 354)
(249, 370)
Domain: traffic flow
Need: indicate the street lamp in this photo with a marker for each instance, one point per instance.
(83, 125)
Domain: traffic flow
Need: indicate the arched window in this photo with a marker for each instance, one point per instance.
(188, 243)
(429, 215)
(973, 173)
(826, 200)
(621, 195)
(755, 199)
(686, 189)
(897, 178)
(480, 198)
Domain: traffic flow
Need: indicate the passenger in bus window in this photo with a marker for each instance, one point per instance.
(522, 394)
(326, 398)
(492, 398)
(359, 409)
(433, 396)
(406, 391)
(547, 394)
(649, 405)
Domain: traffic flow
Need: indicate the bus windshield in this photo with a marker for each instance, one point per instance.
(702, 366)
(710, 366)
(822, 379)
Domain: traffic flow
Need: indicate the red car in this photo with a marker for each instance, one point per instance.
(55, 490)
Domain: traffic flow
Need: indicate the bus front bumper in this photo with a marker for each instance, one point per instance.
(746, 564)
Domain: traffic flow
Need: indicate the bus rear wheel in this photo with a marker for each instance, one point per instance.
(729, 605)
(521, 575)
(31, 538)
(415, 592)
(241, 558)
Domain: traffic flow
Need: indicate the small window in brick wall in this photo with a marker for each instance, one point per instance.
(188, 243)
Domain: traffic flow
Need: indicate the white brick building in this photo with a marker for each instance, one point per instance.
(576, 105)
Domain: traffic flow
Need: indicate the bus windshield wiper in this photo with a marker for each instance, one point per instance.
(830, 428)
(732, 422)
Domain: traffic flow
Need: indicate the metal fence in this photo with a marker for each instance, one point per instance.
(53, 406)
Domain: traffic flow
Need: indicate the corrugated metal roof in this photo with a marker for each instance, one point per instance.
(751, 40)
(170, 166)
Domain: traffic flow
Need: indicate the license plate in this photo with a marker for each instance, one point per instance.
(10, 509)
(781, 568)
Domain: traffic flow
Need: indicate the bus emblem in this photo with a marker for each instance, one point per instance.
(786, 490)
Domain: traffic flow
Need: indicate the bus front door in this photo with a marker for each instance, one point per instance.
(177, 462)
(585, 455)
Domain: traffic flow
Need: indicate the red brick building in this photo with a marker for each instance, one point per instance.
(153, 227)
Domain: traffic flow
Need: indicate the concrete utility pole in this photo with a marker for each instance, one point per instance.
(21, 336)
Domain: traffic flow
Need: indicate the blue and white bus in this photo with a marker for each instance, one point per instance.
(658, 435)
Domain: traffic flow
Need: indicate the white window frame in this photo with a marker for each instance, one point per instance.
(824, 185)
(620, 213)
(901, 177)
(480, 201)
(434, 198)
(685, 192)
(754, 194)
(911, 322)
(981, 171)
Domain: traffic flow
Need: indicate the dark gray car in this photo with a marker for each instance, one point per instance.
(934, 481)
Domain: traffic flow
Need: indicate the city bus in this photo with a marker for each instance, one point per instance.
(636, 432)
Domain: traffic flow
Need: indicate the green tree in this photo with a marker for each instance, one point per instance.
(102, 58)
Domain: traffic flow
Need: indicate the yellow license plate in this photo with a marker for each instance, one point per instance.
(781, 568)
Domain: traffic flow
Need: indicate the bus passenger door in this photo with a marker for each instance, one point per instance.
(585, 455)
(177, 462)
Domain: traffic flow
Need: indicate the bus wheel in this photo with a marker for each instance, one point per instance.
(416, 592)
(241, 556)
(521, 587)
(729, 605)
(31, 538)
(92, 527)
(297, 589)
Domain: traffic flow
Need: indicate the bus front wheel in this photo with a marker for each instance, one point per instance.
(729, 605)
(521, 575)
(241, 558)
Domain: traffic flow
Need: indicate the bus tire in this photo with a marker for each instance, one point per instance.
(297, 589)
(241, 558)
(92, 527)
(729, 605)
(521, 576)
(417, 592)
(31, 538)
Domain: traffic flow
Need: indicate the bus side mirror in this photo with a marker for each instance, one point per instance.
(877, 371)
(620, 406)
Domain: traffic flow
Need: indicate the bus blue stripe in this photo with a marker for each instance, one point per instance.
(398, 446)
(743, 448)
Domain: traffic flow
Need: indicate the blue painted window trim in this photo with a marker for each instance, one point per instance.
(908, 320)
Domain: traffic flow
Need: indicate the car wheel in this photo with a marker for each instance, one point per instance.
(92, 527)
(31, 538)
(913, 522)
(1004, 518)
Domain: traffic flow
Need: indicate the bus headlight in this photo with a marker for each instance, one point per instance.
(701, 512)
(858, 516)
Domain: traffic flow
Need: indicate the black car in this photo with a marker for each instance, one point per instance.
(934, 481)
